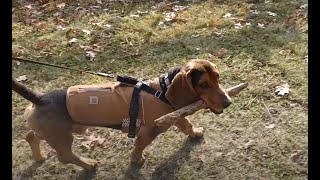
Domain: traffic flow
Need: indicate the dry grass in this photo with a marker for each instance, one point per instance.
(237, 144)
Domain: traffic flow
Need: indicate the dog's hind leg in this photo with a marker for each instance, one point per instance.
(34, 142)
(187, 128)
(63, 146)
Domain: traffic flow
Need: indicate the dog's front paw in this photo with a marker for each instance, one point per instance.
(138, 161)
(197, 132)
(41, 157)
(89, 164)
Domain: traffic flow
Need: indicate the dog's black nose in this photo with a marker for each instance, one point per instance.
(226, 103)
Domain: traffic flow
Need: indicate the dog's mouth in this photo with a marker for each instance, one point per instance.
(216, 111)
(212, 109)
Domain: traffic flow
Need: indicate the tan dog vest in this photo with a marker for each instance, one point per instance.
(108, 105)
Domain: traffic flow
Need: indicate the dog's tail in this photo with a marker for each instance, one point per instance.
(33, 96)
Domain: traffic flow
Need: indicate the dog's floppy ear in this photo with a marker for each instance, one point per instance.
(193, 77)
(181, 91)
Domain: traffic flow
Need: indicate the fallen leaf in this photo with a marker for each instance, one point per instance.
(81, 9)
(270, 126)
(254, 12)
(271, 13)
(305, 6)
(170, 16)
(86, 48)
(249, 144)
(202, 157)
(238, 26)
(73, 40)
(306, 58)
(56, 14)
(91, 55)
(28, 6)
(162, 25)
(69, 33)
(41, 44)
(142, 12)
(288, 20)
(109, 26)
(86, 31)
(179, 8)
(59, 27)
(244, 11)
(44, 5)
(95, 7)
(195, 35)
(221, 52)
(134, 15)
(294, 105)
(217, 34)
(261, 26)
(61, 6)
(227, 15)
(40, 24)
(52, 6)
(163, 5)
(22, 78)
(247, 24)
(36, 12)
(90, 142)
(282, 90)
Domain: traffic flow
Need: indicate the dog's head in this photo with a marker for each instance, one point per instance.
(199, 79)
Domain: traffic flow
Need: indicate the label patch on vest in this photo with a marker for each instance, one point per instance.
(93, 100)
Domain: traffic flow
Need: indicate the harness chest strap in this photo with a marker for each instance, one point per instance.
(164, 81)
(134, 109)
(158, 94)
(134, 103)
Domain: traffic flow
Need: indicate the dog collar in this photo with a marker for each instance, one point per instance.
(166, 79)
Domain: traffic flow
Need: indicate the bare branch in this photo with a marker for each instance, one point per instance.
(165, 121)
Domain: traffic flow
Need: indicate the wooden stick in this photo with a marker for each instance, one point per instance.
(165, 121)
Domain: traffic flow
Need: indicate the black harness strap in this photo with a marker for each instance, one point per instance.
(134, 109)
(158, 94)
(134, 103)
(165, 80)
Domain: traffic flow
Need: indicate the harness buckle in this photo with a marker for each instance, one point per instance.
(158, 94)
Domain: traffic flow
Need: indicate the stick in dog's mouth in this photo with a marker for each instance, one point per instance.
(231, 92)
(169, 119)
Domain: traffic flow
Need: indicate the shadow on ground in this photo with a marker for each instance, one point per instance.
(169, 167)
(28, 172)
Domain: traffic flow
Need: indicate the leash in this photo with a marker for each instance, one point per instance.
(64, 67)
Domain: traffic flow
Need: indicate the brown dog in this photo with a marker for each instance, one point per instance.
(54, 116)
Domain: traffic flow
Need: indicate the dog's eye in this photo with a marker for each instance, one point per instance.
(204, 85)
